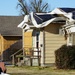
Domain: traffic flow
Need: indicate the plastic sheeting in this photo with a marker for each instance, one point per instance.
(71, 30)
(62, 16)
(24, 24)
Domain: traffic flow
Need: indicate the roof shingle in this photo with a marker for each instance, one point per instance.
(8, 25)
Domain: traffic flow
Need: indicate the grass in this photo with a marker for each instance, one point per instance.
(38, 71)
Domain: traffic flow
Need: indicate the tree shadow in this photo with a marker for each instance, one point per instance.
(11, 50)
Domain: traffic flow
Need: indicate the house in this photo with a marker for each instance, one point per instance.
(43, 33)
(10, 36)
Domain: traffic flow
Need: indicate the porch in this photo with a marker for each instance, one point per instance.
(27, 56)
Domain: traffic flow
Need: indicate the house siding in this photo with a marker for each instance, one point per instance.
(52, 42)
(9, 46)
(73, 38)
(27, 43)
(1, 46)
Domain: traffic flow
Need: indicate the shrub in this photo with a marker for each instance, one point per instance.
(65, 57)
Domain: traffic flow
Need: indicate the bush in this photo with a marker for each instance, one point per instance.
(65, 57)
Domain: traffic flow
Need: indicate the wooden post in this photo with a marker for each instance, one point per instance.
(13, 60)
(38, 57)
(23, 44)
(31, 61)
(31, 55)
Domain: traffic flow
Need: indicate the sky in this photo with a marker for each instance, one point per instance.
(9, 7)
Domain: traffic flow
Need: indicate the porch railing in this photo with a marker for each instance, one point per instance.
(33, 53)
(13, 56)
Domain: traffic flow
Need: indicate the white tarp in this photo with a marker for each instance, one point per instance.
(24, 24)
(71, 30)
(44, 23)
(66, 16)
(57, 11)
(62, 13)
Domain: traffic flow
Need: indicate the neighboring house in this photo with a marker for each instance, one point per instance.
(43, 33)
(10, 36)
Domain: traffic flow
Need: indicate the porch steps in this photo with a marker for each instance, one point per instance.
(14, 56)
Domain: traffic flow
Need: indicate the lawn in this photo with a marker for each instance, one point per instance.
(38, 71)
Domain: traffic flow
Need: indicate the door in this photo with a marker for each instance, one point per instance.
(37, 40)
(36, 45)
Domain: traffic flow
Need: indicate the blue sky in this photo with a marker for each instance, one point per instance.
(8, 7)
(61, 3)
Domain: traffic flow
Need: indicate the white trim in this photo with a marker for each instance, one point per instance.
(70, 40)
(42, 48)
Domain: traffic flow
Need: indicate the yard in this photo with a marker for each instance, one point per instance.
(38, 71)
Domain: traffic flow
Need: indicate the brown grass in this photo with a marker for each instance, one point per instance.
(38, 71)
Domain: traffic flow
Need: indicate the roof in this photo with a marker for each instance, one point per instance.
(8, 25)
(67, 10)
(39, 20)
(73, 13)
(42, 18)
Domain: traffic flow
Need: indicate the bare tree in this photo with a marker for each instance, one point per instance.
(32, 5)
(23, 7)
